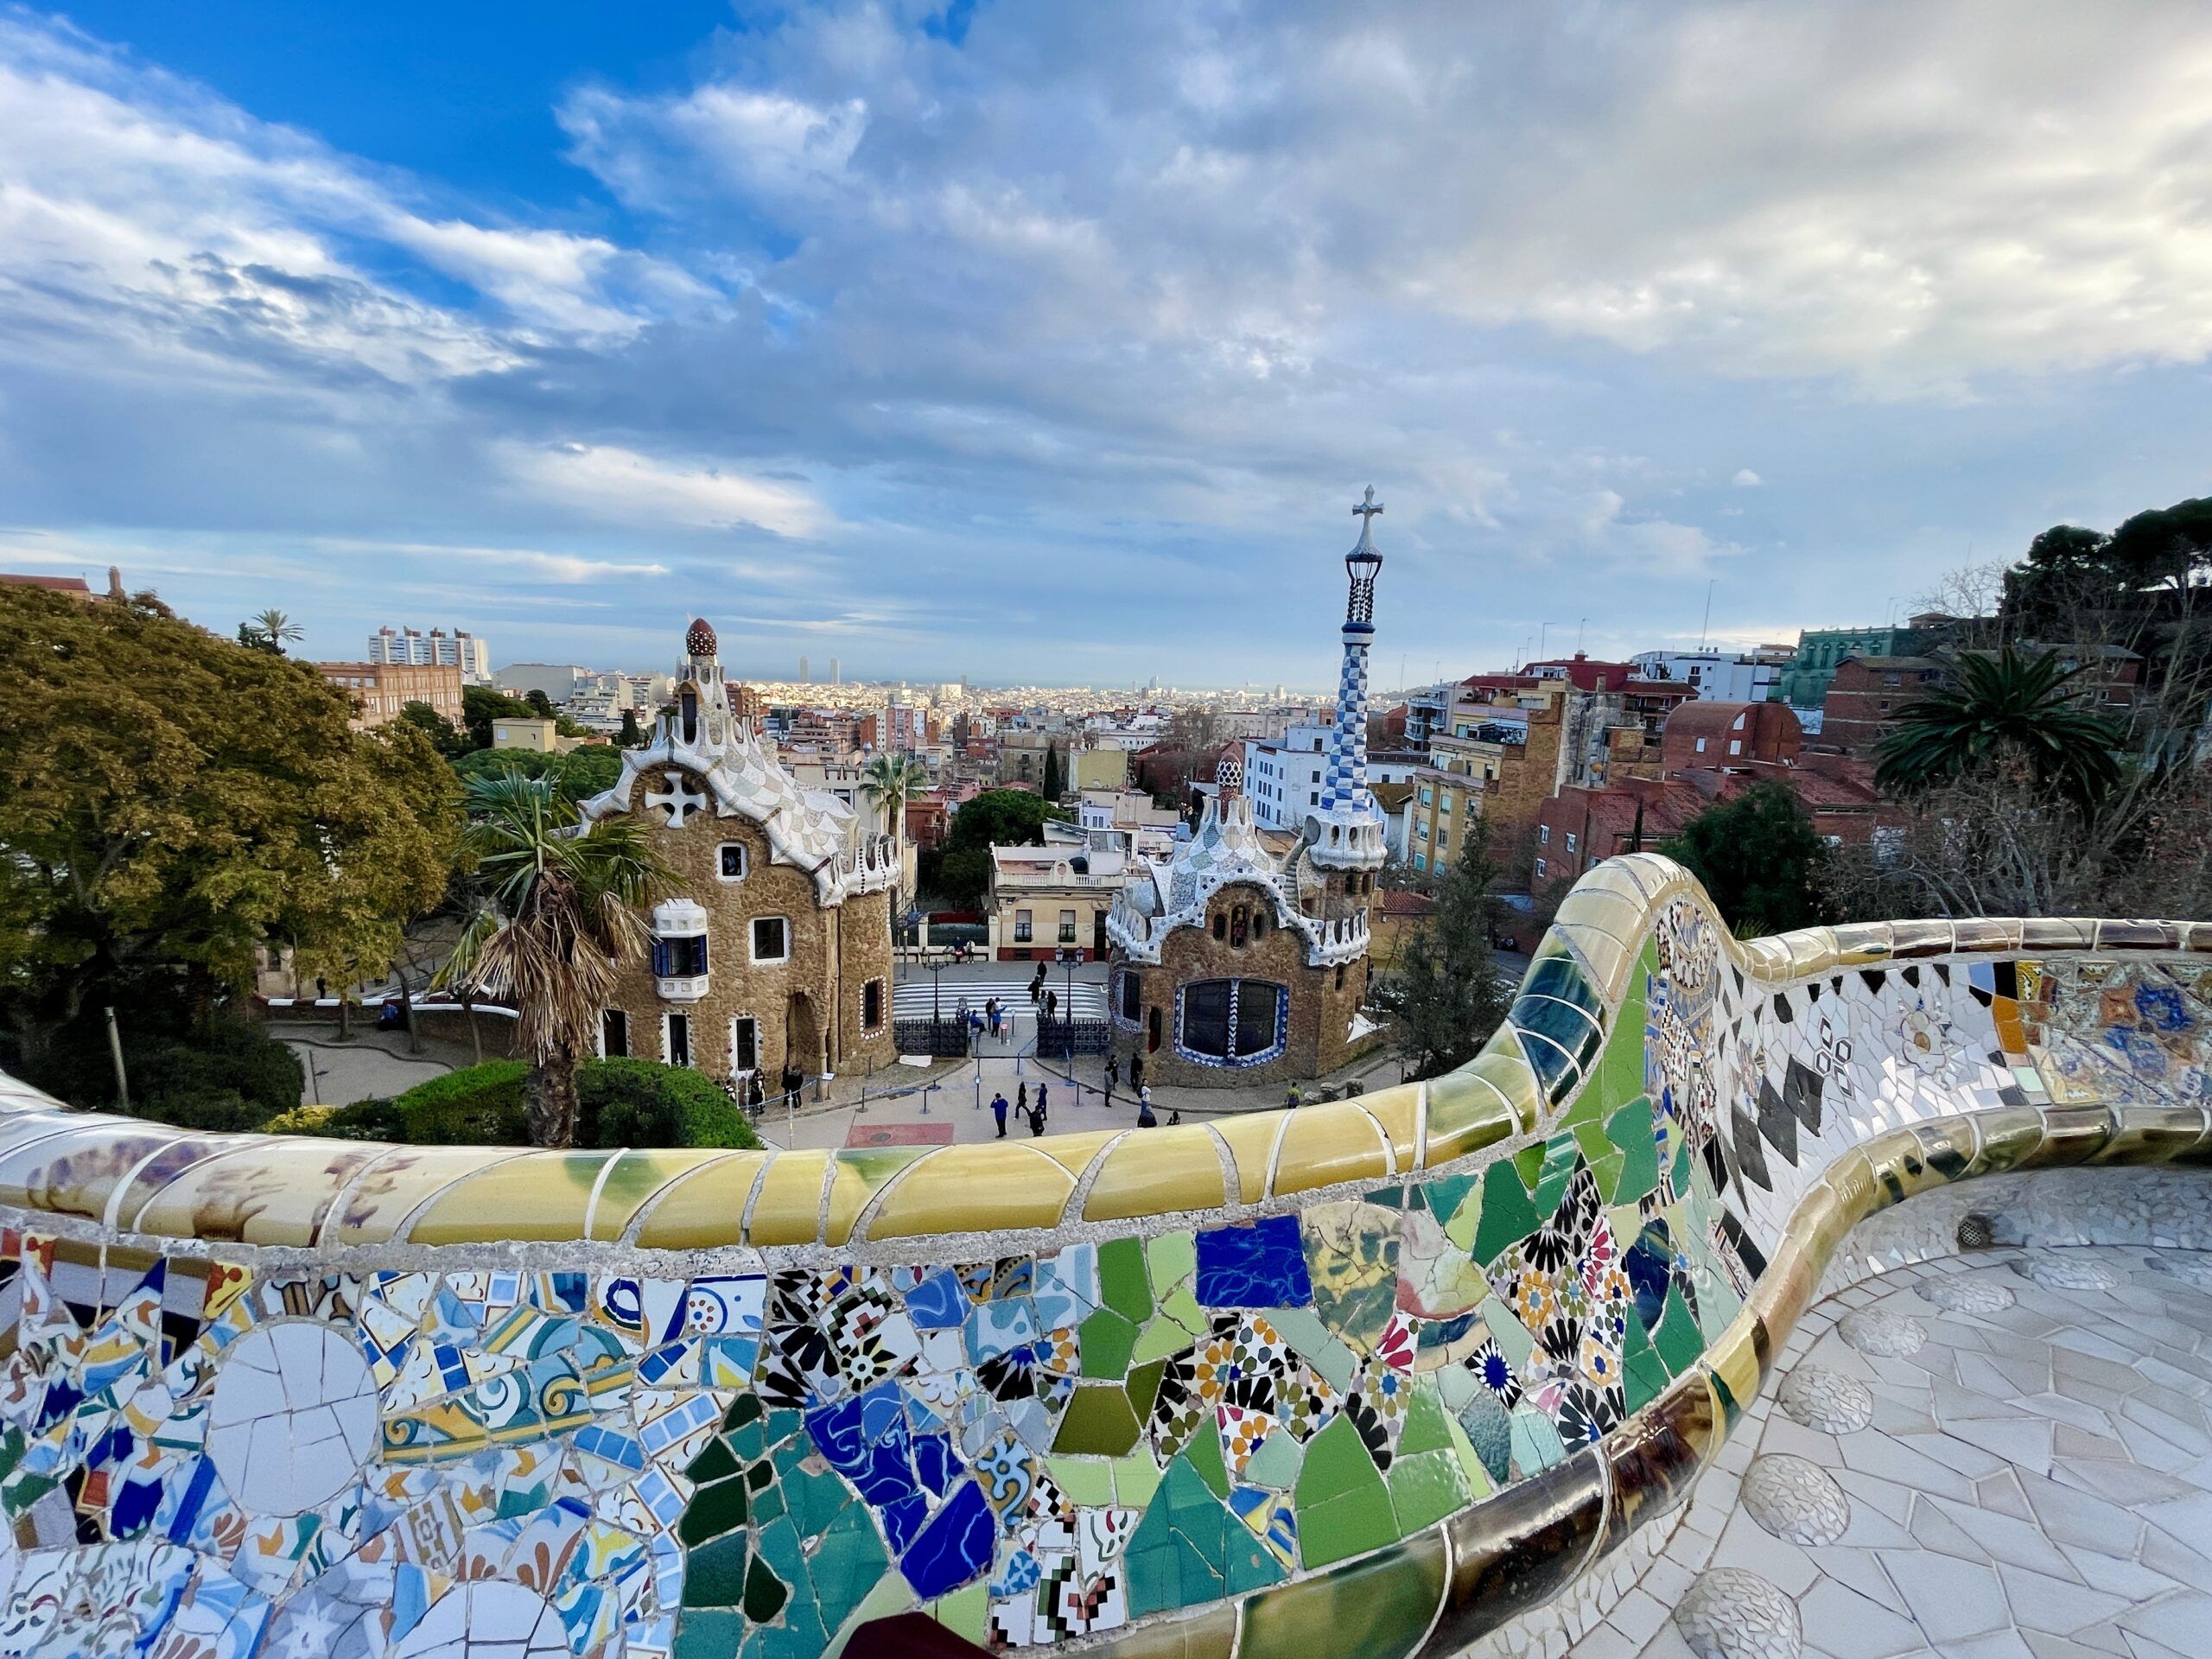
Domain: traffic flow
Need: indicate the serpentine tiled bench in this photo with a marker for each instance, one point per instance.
(1357, 1378)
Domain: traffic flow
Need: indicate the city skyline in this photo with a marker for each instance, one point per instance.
(1053, 347)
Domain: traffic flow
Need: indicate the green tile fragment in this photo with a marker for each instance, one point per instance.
(1426, 1487)
(1629, 1129)
(1087, 1481)
(1100, 1422)
(1170, 1258)
(1507, 1213)
(1677, 1341)
(1122, 1283)
(1204, 1455)
(1105, 1341)
(1424, 1429)
(1136, 1479)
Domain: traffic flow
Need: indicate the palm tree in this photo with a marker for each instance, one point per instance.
(565, 913)
(2009, 704)
(890, 781)
(275, 630)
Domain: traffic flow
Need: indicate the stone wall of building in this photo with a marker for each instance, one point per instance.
(834, 951)
(1320, 1009)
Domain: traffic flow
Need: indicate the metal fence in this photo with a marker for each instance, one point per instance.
(1091, 1036)
(944, 1039)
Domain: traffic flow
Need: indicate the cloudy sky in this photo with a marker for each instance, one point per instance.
(1053, 343)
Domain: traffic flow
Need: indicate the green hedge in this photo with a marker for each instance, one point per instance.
(640, 1103)
(365, 1120)
(477, 1106)
(621, 1103)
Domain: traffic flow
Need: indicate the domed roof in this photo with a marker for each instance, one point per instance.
(699, 638)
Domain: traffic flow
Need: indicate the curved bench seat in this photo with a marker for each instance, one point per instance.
(1399, 1367)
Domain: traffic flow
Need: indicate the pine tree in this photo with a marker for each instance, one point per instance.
(1054, 783)
(1446, 997)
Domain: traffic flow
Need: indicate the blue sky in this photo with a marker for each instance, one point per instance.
(1053, 343)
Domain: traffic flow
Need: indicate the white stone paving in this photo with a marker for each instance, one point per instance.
(2035, 1482)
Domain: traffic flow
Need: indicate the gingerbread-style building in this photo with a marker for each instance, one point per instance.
(1233, 965)
(776, 948)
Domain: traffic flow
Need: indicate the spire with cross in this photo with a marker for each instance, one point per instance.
(1348, 832)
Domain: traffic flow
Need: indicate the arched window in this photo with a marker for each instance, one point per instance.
(1231, 1021)
(1240, 924)
(1220, 925)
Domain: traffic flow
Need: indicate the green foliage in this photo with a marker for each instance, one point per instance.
(1760, 859)
(633, 735)
(640, 1103)
(959, 870)
(2071, 572)
(1446, 995)
(2006, 707)
(477, 1106)
(575, 776)
(565, 911)
(170, 802)
(223, 1073)
(1055, 784)
(365, 1120)
(445, 737)
(480, 705)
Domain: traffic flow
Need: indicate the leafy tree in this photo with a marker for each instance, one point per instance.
(1998, 705)
(578, 775)
(1760, 859)
(960, 867)
(444, 737)
(170, 802)
(633, 735)
(1445, 996)
(564, 914)
(1054, 785)
(480, 705)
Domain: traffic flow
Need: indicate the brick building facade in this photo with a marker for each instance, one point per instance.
(380, 690)
(775, 949)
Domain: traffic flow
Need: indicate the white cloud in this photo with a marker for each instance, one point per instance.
(627, 486)
(1746, 478)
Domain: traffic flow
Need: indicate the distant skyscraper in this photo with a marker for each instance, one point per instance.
(802, 671)
(467, 651)
(836, 672)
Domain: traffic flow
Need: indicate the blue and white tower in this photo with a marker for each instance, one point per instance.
(1345, 832)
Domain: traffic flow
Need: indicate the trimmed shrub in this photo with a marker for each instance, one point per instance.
(640, 1103)
(365, 1120)
(227, 1055)
(477, 1106)
(223, 1110)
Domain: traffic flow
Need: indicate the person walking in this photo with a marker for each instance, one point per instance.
(1292, 1098)
(991, 1016)
(1113, 1077)
(1021, 1099)
(1145, 1118)
(1052, 1005)
(1136, 1071)
(1043, 1089)
(1037, 1115)
(998, 1110)
(1037, 989)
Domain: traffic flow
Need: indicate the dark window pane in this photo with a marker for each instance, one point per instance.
(1205, 1018)
(872, 1004)
(1132, 997)
(1257, 1002)
(746, 1054)
(767, 938)
(615, 1033)
(679, 1040)
(733, 860)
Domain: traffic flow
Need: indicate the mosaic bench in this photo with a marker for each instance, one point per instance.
(1395, 1369)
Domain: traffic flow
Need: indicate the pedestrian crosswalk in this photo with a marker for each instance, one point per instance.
(914, 997)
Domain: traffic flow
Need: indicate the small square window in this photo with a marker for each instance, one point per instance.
(1540, 869)
(772, 938)
(1067, 927)
(1570, 840)
(1021, 927)
(1543, 834)
(733, 861)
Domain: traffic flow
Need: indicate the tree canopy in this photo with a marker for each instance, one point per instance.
(480, 705)
(1760, 859)
(1446, 995)
(170, 801)
(960, 867)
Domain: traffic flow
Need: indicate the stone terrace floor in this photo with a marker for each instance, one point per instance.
(2006, 1455)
